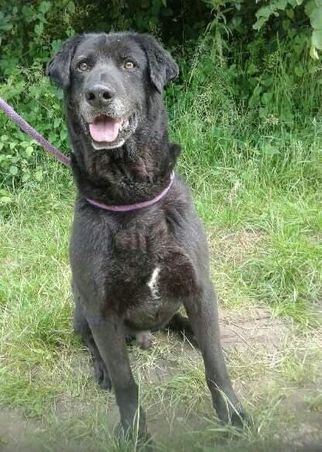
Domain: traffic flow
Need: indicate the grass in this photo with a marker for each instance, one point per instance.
(258, 193)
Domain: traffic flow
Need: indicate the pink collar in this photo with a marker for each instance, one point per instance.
(135, 206)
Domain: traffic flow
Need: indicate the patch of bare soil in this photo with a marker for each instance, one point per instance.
(251, 327)
(254, 329)
(251, 334)
(261, 341)
(14, 429)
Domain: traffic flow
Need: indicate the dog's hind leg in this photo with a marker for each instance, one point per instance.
(202, 312)
(81, 327)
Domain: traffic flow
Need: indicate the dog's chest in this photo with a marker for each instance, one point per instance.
(137, 268)
(152, 308)
(147, 267)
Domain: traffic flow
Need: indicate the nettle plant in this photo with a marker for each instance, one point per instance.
(228, 16)
(271, 52)
(312, 9)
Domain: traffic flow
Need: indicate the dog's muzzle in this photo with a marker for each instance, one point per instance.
(110, 132)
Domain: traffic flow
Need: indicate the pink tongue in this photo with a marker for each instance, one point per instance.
(105, 129)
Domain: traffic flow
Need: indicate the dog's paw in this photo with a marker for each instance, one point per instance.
(140, 442)
(144, 339)
(230, 411)
(240, 419)
(101, 375)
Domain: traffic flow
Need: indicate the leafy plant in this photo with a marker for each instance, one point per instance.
(21, 159)
(252, 61)
(312, 8)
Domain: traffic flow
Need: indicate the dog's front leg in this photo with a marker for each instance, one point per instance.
(108, 333)
(203, 314)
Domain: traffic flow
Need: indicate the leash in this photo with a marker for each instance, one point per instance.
(17, 119)
(10, 112)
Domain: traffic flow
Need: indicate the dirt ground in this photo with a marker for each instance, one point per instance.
(259, 341)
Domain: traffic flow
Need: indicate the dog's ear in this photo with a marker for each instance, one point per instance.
(162, 67)
(58, 68)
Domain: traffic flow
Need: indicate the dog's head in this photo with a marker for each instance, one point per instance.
(108, 78)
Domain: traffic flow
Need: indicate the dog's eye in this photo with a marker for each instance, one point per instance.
(128, 64)
(83, 66)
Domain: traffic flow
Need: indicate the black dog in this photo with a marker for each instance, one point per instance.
(133, 270)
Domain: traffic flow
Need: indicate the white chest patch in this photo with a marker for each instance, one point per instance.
(153, 282)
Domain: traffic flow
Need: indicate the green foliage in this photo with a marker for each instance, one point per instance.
(281, 85)
(21, 159)
(228, 14)
(257, 109)
(312, 8)
(272, 72)
(33, 30)
(28, 31)
(252, 74)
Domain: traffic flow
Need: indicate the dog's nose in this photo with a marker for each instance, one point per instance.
(99, 95)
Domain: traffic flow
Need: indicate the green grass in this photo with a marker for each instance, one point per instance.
(257, 188)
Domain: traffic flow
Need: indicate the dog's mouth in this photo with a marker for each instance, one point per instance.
(108, 132)
(105, 129)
